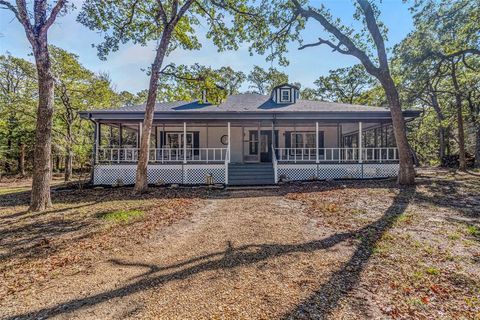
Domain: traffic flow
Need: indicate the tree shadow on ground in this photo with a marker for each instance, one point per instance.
(459, 195)
(33, 239)
(201, 192)
(344, 279)
(321, 304)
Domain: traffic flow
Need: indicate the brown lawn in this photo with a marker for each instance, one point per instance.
(315, 250)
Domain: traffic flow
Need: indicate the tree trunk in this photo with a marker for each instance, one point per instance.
(477, 146)
(448, 136)
(69, 154)
(68, 164)
(21, 159)
(141, 181)
(406, 172)
(442, 131)
(8, 165)
(442, 146)
(40, 198)
(462, 162)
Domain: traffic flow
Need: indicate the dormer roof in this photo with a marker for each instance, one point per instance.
(285, 94)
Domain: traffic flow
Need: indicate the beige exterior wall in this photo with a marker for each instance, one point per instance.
(209, 137)
(239, 138)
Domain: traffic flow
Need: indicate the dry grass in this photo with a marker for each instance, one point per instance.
(316, 250)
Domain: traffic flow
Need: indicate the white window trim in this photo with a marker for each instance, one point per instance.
(293, 139)
(289, 95)
(180, 139)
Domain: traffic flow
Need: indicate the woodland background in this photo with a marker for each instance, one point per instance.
(435, 68)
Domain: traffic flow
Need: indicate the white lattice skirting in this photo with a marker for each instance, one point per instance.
(158, 174)
(293, 172)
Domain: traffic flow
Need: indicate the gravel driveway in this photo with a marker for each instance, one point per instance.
(264, 254)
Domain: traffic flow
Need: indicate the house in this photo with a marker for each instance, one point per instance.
(247, 139)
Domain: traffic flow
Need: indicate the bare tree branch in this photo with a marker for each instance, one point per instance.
(175, 75)
(342, 38)
(21, 14)
(39, 14)
(53, 15)
(130, 18)
(182, 11)
(374, 31)
(327, 42)
(162, 12)
(228, 7)
(212, 18)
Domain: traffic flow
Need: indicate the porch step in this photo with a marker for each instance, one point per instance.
(250, 174)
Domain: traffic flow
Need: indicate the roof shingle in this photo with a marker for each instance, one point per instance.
(251, 102)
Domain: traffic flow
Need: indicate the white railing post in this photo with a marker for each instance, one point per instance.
(229, 141)
(316, 142)
(184, 142)
(360, 142)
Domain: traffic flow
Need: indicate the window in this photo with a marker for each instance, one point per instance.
(303, 140)
(285, 95)
(253, 142)
(174, 140)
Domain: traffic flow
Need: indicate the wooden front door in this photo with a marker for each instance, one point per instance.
(266, 145)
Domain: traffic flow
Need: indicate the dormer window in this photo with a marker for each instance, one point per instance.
(285, 95)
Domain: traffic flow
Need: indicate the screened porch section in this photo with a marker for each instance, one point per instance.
(119, 143)
(248, 142)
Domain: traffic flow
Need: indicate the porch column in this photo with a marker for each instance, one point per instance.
(360, 143)
(229, 142)
(97, 142)
(111, 141)
(316, 141)
(139, 135)
(120, 135)
(184, 142)
(273, 136)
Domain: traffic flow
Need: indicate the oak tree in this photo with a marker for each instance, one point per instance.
(36, 23)
(172, 25)
(367, 45)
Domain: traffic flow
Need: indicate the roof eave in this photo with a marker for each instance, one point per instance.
(248, 115)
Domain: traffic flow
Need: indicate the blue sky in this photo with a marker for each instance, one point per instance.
(125, 66)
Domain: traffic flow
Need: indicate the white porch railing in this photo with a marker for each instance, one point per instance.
(162, 155)
(296, 155)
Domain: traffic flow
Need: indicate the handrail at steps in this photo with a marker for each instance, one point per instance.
(227, 161)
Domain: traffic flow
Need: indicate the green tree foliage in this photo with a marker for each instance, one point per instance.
(18, 99)
(438, 64)
(126, 98)
(36, 18)
(77, 89)
(347, 85)
(263, 81)
(173, 24)
(366, 43)
(189, 83)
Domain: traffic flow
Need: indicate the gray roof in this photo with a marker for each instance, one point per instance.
(248, 106)
(251, 102)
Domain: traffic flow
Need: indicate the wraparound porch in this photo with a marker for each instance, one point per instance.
(204, 152)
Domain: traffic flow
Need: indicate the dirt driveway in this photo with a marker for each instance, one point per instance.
(349, 250)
